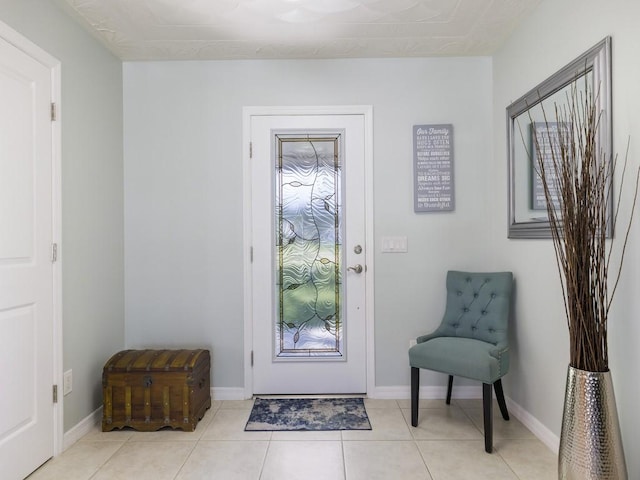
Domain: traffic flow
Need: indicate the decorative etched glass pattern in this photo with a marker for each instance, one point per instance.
(308, 246)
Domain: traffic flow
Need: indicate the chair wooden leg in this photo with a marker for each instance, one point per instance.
(449, 387)
(415, 390)
(488, 419)
(500, 397)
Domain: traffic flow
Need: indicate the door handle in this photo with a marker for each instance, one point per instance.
(356, 268)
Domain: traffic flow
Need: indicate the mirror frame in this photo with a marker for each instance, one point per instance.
(596, 60)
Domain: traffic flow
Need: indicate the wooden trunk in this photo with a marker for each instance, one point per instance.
(151, 389)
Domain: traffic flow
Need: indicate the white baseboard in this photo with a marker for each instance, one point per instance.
(83, 427)
(227, 393)
(426, 392)
(546, 436)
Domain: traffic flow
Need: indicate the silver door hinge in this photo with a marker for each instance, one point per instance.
(54, 253)
(54, 113)
(252, 358)
(55, 394)
(250, 149)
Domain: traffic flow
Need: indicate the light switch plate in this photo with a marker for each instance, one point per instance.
(394, 245)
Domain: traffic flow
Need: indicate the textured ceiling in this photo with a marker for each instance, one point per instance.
(253, 29)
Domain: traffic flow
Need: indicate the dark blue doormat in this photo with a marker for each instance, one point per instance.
(296, 414)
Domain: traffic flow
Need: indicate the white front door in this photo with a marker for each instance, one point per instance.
(308, 238)
(26, 271)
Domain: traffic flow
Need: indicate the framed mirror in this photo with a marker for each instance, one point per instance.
(526, 118)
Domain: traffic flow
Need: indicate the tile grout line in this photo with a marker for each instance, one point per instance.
(415, 444)
(187, 457)
(108, 459)
(264, 459)
(344, 457)
(469, 414)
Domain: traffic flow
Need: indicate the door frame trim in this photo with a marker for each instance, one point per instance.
(34, 51)
(247, 113)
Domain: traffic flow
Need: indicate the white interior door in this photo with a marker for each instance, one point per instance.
(26, 272)
(309, 270)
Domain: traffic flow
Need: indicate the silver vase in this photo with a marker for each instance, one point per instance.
(590, 440)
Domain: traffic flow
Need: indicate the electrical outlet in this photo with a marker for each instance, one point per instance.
(412, 342)
(67, 382)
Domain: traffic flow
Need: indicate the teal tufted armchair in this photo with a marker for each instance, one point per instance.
(470, 342)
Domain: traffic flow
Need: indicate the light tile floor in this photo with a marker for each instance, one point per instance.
(447, 445)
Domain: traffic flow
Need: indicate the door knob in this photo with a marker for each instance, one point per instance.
(356, 268)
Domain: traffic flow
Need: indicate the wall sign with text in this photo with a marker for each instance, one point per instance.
(433, 189)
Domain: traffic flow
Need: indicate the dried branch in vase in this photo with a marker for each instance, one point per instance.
(578, 187)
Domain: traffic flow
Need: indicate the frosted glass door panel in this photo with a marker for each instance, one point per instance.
(308, 245)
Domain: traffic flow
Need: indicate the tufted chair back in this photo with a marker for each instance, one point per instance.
(477, 306)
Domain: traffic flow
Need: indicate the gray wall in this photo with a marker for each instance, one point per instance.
(92, 198)
(183, 193)
(183, 180)
(558, 32)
